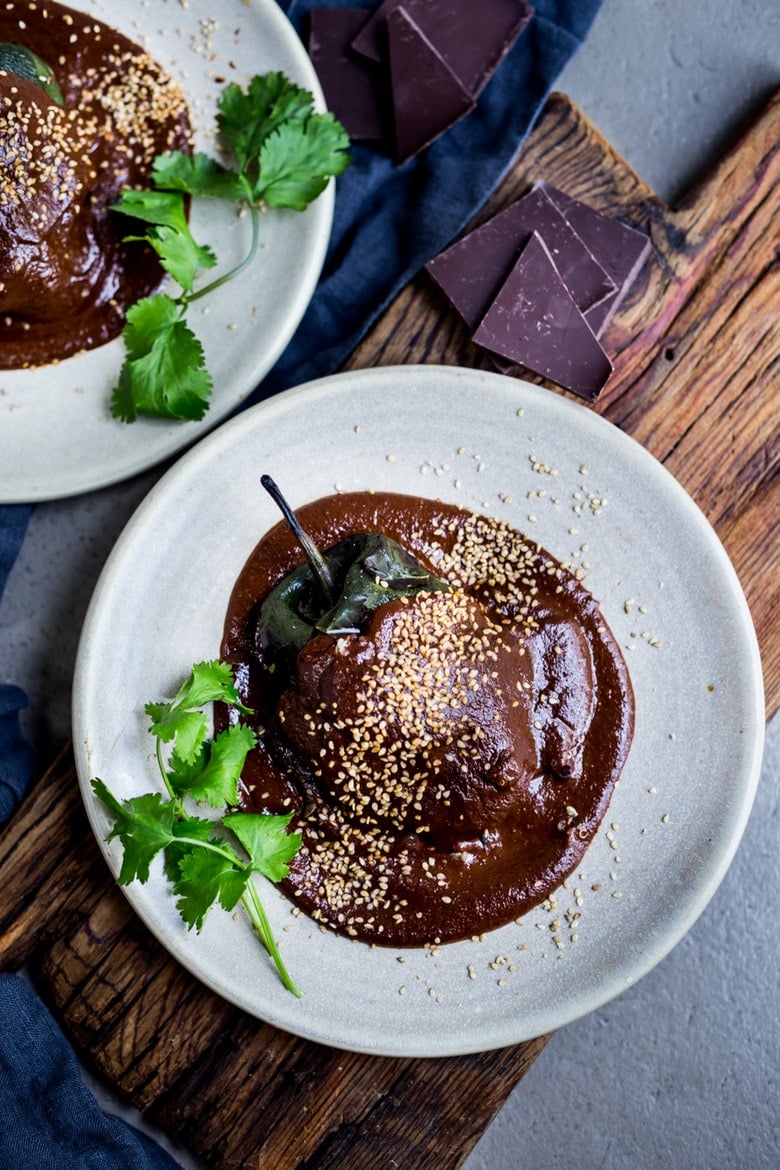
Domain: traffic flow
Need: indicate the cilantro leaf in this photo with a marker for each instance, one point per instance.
(156, 207)
(170, 236)
(297, 160)
(188, 730)
(180, 255)
(209, 682)
(144, 825)
(191, 829)
(198, 175)
(247, 118)
(285, 155)
(184, 770)
(201, 865)
(182, 721)
(270, 847)
(214, 775)
(204, 877)
(164, 373)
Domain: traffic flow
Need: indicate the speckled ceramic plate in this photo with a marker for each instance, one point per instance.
(594, 498)
(57, 437)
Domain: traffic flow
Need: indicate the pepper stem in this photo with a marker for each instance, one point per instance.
(317, 562)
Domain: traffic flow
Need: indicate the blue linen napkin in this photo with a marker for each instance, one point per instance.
(16, 755)
(388, 222)
(50, 1119)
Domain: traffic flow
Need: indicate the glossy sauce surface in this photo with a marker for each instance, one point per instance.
(448, 765)
(66, 276)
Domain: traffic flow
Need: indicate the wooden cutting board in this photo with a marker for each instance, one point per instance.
(697, 351)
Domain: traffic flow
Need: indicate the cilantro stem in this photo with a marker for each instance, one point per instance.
(200, 844)
(254, 907)
(177, 804)
(255, 910)
(187, 299)
(164, 774)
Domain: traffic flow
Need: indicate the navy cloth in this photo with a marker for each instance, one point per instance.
(388, 222)
(50, 1119)
(16, 755)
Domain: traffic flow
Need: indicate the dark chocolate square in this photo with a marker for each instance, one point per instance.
(471, 271)
(620, 249)
(352, 85)
(428, 98)
(473, 36)
(535, 322)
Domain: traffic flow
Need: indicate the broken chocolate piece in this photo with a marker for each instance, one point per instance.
(472, 37)
(351, 84)
(535, 322)
(427, 96)
(471, 271)
(621, 250)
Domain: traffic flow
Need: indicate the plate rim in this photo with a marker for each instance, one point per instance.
(691, 905)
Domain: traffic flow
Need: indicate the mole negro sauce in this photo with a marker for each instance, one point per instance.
(449, 765)
(66, 274)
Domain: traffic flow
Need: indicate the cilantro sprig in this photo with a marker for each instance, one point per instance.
(207, 861)
(284, 154)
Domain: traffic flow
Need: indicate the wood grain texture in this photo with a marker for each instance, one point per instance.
(696, 349)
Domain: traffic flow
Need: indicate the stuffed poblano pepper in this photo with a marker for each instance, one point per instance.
(335, 591)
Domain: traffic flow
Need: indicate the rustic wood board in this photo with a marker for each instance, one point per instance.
(697, 352)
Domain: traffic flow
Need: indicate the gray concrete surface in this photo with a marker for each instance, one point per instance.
(681, 1070)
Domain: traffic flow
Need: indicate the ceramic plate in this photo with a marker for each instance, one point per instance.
(57, 437)
(595, 499)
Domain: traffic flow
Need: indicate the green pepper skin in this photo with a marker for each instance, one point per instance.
(369, 570)
(28, 66)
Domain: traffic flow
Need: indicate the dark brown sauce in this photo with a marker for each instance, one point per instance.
(449, 765)
(66, 276)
